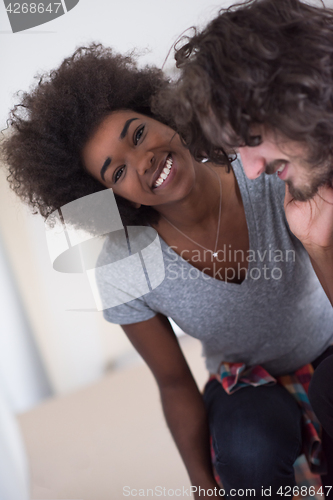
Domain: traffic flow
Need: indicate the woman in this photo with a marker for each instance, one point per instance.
(236, 278)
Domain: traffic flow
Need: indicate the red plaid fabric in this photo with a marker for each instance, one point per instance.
(298, 384)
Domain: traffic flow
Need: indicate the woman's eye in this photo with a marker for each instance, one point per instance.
(138, 134)
(118, 173)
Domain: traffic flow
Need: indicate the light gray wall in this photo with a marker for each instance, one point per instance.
(151, 26)
(22, 373)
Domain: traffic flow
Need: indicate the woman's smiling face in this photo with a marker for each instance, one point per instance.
(140, 158)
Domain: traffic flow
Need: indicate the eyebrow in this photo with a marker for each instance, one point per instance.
(122, 136)
(105, 166)
(125, 129)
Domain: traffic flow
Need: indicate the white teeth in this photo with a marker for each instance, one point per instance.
(282, 167)
(165, 172)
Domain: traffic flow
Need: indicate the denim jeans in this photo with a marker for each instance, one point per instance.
(321, 399)
(257, 431)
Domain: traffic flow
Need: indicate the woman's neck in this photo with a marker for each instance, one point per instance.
(200, 205)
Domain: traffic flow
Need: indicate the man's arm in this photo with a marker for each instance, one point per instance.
(312, 223)
(182, 402)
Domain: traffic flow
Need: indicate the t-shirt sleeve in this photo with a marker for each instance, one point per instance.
(132, 312)
(122, 283)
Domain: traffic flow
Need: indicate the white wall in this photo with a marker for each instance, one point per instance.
(149, 25)
(21, 370)
(14, 472)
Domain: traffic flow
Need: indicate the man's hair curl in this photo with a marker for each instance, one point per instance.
(53, 121)
(267, 62)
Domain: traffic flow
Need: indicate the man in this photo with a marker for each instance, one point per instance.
(259, 80)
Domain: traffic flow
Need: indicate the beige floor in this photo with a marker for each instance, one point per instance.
(90, 444)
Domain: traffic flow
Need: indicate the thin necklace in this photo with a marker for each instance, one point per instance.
(218, 225)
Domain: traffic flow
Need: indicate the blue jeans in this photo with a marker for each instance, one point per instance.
(321, 399)
(257, 432)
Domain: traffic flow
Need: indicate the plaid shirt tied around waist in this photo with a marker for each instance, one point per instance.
(235, 376)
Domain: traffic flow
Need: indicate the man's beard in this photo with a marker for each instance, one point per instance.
(307, 192)
(320, 177)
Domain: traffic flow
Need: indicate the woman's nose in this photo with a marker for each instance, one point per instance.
(253, 163)
(144, 162)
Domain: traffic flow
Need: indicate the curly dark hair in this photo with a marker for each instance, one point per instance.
(53, 121)
(267, 62)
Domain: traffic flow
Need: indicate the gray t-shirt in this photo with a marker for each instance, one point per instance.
(278, 317)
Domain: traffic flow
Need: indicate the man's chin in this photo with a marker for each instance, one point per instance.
(302, 194)
(309, 191)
